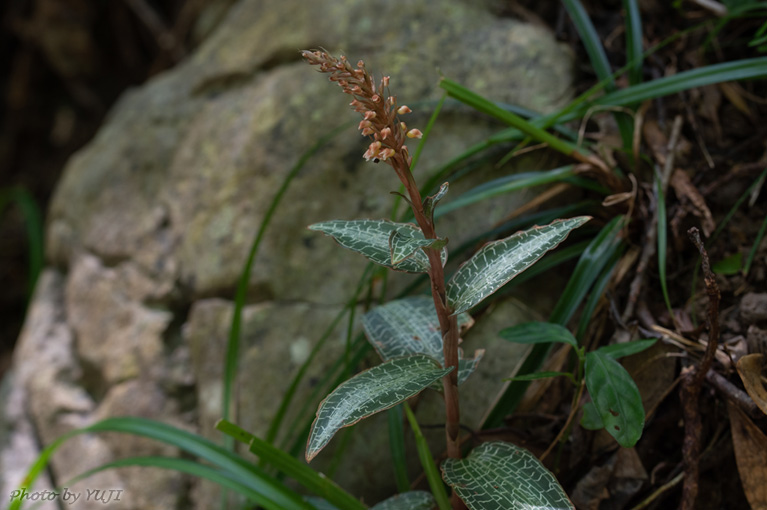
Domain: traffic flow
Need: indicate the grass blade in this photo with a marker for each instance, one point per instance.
(287, 500)
(633, 41)
(205, 449)
(599, 61)
(590, 265)
(662, 243)
(427, 462)
(300, 472)
(717, 73)
(486, 106)
(33, 223)
(397, 447)
(233, 343)
(506, 184)
(274, 426)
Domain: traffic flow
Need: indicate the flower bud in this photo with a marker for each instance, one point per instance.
(414, 133)
(402, 110)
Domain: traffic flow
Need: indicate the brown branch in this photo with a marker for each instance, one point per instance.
(693, 380)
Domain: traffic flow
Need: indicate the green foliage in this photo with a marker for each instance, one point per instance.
(372, 238)
(412, 335)
(411, 326)
(369, 392)
(498, 262)
(617, 405)
(501, 475)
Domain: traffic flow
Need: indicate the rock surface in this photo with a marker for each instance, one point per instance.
(151, 224)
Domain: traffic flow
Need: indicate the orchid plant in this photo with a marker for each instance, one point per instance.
(418, 338)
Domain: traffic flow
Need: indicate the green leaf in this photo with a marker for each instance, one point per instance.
(498, 262)
(617, 351)
(397, 447)
(593, 259)
(371, 239)
(538, 333)
(501, 475)
(430, 203)
(369, 392)
(507, 184)
(540, 375)
(292, 467)
(427, 462)
(287, 501)
(729, 265)
(402, 245)
(413, 500)
(272, 494)
(410, 326)
(591, 419)
(616, 398)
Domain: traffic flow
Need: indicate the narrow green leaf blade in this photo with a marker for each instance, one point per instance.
(616, 398)
(371, 239)
(617, 351)
(410, 326)
(501, 475)
(498, 262)
(412, 500)
(369, 392)
(285, 499)
(427, 462)
(538, 333)
(540, 375)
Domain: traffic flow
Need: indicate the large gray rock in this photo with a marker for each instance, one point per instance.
(151, 224)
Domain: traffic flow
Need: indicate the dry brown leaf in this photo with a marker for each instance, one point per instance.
(750, 370)
(687, 192)
(750, 447)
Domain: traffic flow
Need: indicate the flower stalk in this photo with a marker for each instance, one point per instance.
(381, 122)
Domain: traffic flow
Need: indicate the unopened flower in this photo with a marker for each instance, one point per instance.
(414, 133)
(386, 154)
(373, 151)
(385, 133)
(402, 110)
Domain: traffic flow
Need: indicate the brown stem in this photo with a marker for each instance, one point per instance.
(448, 323)
(692, 381)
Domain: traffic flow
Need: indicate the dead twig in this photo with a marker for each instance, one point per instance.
(693, 380)
(651, 234)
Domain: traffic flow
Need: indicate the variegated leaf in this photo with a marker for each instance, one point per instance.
(409, 326)
(430, 203)
(403, 246)
(501, 475)
(413, 500)
(369, 392)
(371, 239)
(498, 262)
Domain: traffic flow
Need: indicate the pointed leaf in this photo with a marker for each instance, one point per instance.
(540, 375)
(501, 475)
(616, 398)
(371, 239)
(412, 500)
(410, 326)
(538, 333)
(498, 262)
(430, 203)
(617, 351)
(402, 245)
(369, 392)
